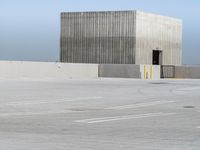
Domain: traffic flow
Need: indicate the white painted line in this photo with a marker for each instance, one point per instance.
(139, 105)
(131, 117)
(188, 89)
(50, 101)
(117, 118)
(31, 113)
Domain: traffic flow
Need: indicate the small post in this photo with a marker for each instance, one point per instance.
(151, 72)
(145, 72)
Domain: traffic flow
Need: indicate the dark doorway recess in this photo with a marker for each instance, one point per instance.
(157, 57)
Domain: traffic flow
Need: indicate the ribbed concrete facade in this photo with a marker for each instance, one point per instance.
(98, 37)
(119, 37)
(155, 32)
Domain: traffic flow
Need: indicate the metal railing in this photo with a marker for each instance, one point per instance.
(167, 71)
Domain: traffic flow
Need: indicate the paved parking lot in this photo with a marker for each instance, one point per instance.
(101, 114)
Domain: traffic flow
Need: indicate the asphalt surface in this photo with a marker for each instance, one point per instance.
(101, 114)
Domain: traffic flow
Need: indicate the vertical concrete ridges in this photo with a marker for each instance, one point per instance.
(119, 37)
(98, 37)
(156, 32)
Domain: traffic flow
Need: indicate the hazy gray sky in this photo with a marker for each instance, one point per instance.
(30, 30)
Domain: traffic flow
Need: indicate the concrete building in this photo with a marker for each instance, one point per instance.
(120, 37)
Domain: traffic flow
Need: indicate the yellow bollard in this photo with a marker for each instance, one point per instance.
(151, 72)
(145, 72)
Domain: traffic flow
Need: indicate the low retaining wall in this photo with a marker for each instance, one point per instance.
(119, 71)
(42, 70)
(17, 69)
(187, 72)
(129, 71)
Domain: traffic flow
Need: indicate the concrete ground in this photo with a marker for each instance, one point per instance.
(101, 114)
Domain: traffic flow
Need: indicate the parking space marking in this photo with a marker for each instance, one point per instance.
(51, 102)
(16, 114)
(128, 117)
(139, 105)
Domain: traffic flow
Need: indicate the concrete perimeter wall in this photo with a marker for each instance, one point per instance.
(22, 69)
(187, 72)
(119, 71)
(45, 70)
(129, 71)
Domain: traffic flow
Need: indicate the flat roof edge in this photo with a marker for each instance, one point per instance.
(63, 12)
(159, 15)
(133, 11)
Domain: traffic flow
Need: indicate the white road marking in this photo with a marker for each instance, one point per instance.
(188, 89)
(139, 105)
(50, 102)
(117, 118)
(31, 113)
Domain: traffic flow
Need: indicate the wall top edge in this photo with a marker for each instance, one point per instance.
(137, 12)
(158, 15)
(123, 11)
(40, 62)
(85, 12)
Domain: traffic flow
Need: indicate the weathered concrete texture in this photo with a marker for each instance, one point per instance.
(129, 71)
(119, 71)
(102, 114)
(119, 37)
(98, 37)
(190, 72)
(17, 69)
(167, 71)
(155, 32)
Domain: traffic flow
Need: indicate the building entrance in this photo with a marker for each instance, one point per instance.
(157, 57)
